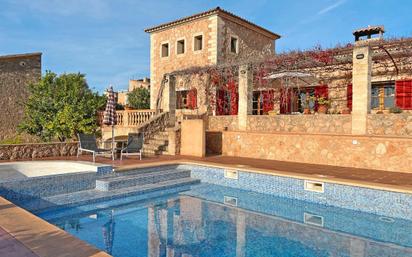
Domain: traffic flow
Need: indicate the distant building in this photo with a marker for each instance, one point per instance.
(16, 73)
(121, 96)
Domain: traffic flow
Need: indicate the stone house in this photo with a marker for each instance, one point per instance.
(179, 47)
(241, 79)
(214, 37)
(16, 72)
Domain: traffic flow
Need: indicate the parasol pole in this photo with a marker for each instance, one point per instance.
(113, 141)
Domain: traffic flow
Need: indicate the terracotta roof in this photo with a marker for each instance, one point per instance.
(10, 56)
(217, 11)
(369, 30)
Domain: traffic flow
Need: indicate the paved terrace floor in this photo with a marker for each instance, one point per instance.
(394, 181)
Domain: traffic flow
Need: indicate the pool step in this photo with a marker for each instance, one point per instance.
(94, 196)
(122, 181)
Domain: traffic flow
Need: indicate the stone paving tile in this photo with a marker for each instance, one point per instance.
(11, 247)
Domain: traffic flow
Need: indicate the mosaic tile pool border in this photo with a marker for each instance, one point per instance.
(33, 187)
(337, 219)
(380, 202)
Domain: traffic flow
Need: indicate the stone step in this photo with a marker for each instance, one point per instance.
(95, 196)
(122, 181)
(155, 147)
(148, 153)
(158, 136)
(154, 141)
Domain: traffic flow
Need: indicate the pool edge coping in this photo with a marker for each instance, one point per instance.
(272, 172)
(41, 237)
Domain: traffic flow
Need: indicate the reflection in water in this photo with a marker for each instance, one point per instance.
(198, 224)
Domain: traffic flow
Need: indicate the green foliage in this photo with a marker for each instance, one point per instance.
(395, 109)
(12, 141)
(139, 98)
(59, 107)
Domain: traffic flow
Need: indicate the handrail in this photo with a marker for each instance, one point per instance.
(157, 123)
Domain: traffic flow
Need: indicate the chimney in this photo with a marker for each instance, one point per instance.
(368, 32)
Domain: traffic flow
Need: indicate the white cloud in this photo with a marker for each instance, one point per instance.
(331, 7)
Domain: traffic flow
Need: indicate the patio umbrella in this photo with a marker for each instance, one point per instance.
(306, 79)
(109, 117)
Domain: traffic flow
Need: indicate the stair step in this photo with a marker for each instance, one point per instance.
(94, 196)
(160, 137)
(154, 141)
(155, 148)
(122, 181)
(148, 153)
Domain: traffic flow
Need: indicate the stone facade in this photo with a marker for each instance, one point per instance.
(33, 151)
(390, 124)
(317, 124)
(381, 153)
(216, 27)
(16, 72)
(219, 123)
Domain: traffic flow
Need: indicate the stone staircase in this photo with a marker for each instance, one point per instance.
(157, 144)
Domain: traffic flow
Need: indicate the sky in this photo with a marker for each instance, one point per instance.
(104, 39)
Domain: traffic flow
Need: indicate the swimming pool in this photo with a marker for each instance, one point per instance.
(165, 211)
(213, 220)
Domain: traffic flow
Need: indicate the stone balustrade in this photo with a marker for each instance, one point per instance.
(133, 118)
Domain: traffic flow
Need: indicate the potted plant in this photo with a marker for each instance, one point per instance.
(323, 104)
(395, 109)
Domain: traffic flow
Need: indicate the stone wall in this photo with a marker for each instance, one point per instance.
(33, 151)
(159, 66)
(218, 123)
(16, 72)
(322, 123)
(252, 45)
(381, 153)
(390, 124)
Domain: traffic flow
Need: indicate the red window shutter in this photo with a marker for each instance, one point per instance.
(349, 96)
(403, 93)
(321, 90)
(268, 101)
(192, 98)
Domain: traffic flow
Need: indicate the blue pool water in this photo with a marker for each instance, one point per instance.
(218, 221)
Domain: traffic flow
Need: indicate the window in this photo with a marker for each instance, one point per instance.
(165, 50)
(186, 99)
(234, 45)
(262, 102)
(383, 95)
(198, 43)
(296, 100)
(180, 46)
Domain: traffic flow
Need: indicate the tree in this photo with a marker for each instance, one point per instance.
(139, 98)
(59, 107)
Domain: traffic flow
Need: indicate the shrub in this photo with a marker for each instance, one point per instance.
(139, 98)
